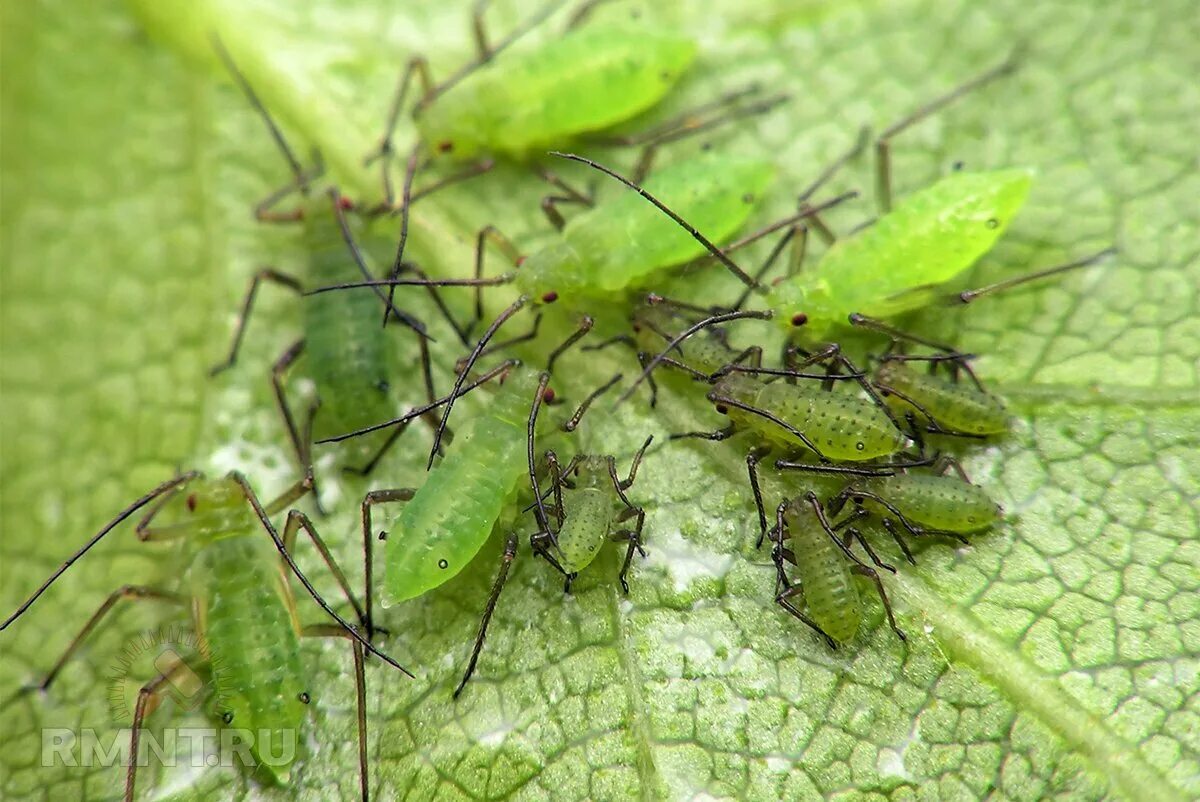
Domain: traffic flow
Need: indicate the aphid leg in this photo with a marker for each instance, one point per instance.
(264, 210)
(301, 179)
(339, 214)
(369, 465)
(265, 274)
(510, 552)
(728, 401)
(459, 331)
(719, 434)
(793, 232)
(569, 194)
(840, 470)
(624, 339)
(417, 68)
(410, 173)
(530, 438)
(945, 461)
(148, 700)
(278, 371)
(634, 538)
(835, 166)
(869, 389)
(462, 375)
(556, 476)
(123, 593)
(914, 530)
(372, 498)
(491, 234)
(643, 359)
(269, 528)
(637, 461)
(585, 325)
(704, 117)
(714, 320)
(297, 520)
(891, 529)
(966, 296)
(873, 575)
(473, 171)
(851, 535)
(883, 175)
(511, 341)
(360, 696)
(581, 14)
(573, 422)
(752, 468)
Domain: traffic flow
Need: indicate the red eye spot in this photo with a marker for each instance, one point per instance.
(799, 319)
(445, 146)
(345, 203)
(550, 297)
(191, 502)
(548, 395)
(637, 328)
(520, 261)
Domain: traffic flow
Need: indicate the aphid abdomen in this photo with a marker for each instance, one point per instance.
(586, 528)
(450, 518)
(254, 649)
(936, 502)
(956, 406)
(347, 354)
(824, 573)
(531, 99)
(842, 426)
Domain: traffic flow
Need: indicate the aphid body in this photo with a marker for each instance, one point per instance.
(451, 516)
(956, 407)
(841, 426)
(243, 611)
(245, 614)
(830, 593)
(622, 242)
(524, 101)
(930, 501)
(898, 263)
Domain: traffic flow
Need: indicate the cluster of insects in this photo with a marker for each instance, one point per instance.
(881, 429)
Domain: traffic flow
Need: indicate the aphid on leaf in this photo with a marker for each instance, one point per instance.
(348, 359)
(445, 522)
(243, 612)
(824, 565)
(590, 509)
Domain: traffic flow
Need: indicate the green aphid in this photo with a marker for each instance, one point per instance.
(348, 358)
(243, 612)
(590, 508)
(824, 566)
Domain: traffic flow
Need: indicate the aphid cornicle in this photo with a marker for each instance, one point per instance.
(590, 507)
(348, 359)
(243, 612)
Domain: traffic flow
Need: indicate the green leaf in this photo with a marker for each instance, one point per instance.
(1054, 657)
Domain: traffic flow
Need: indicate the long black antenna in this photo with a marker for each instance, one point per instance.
(966, 296)
(530, 437)
(162, 489)
(742, 275)
(724, 317)
(348, 237)
(475, 354)
(260, 107)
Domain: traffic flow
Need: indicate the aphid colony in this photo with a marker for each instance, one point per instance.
(872, 428)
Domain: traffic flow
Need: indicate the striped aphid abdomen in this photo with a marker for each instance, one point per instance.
(824, 572)
(936, 502)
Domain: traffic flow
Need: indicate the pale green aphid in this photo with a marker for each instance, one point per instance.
(589, 514)
(522, 101)
(243, 612)
(445, 522)
(825, 567)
